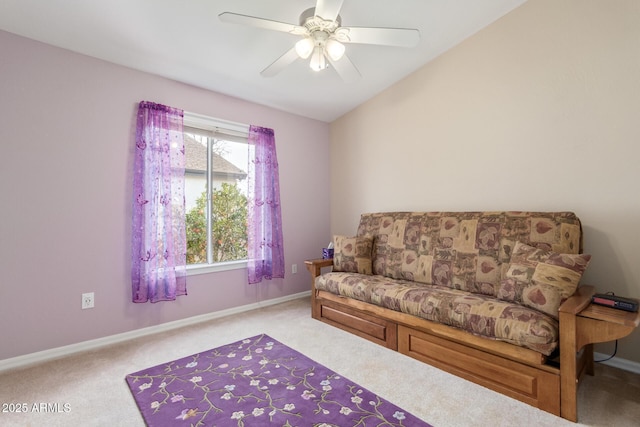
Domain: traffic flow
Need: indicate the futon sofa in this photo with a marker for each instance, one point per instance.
(486, 296)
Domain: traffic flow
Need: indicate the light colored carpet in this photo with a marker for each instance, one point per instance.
(93, 383)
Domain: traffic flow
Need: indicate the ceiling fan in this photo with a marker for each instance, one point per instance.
(323, 38)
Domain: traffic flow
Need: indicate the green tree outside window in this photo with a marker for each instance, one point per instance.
(228, 230)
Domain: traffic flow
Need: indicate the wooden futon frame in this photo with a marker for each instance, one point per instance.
(518, 372)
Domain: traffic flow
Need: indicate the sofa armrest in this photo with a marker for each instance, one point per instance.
(571, 368)
(315, 266)
(578, 301)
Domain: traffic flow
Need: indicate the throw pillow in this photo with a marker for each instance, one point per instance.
(352, 254)
(541, 279)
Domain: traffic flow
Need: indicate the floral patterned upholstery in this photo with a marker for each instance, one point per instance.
(542, 279)
(352, 254)
(449, 267)
(479, 314)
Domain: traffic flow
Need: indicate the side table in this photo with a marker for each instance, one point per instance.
(583, 328)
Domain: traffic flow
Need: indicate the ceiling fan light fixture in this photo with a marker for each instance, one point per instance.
(323, 38)
(304, 47)
(318, 62)
(334, 49)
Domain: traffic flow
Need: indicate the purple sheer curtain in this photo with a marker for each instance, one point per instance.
(158, 271)
(265, 245)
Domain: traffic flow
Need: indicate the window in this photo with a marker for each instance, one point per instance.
(216, 165)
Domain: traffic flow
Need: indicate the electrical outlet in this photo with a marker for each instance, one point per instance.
(294, 268)
(88, 300)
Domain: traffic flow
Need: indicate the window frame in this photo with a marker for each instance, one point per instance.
(221, 129)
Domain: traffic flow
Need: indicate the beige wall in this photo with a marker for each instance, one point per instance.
(539, 111)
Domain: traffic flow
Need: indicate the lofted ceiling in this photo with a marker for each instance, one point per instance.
(185, 41)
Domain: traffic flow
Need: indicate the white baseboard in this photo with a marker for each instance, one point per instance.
(616, 362)
(56, 353)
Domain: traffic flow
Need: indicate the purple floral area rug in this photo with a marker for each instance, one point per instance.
(256, 382)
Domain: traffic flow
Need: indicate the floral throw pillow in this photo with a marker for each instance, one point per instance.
(352, 254)
(541, 279)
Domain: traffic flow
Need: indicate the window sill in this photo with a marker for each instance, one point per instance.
(193, 270)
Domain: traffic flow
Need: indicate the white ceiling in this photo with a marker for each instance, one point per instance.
(184, 40)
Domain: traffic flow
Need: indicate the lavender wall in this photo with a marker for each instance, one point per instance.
(66, 129)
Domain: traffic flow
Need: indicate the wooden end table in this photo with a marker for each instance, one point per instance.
(594, 324)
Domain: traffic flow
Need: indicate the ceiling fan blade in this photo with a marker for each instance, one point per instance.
(345, 69)
(404, 37)
(287, 58)
(328, 9)
(267, 24)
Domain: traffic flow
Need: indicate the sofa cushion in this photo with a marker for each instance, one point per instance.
(352, 254)
(479, 314)
(541, 279)
(468, 251)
